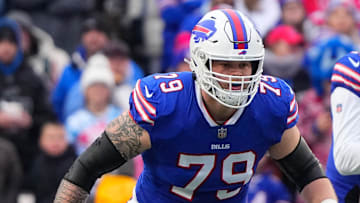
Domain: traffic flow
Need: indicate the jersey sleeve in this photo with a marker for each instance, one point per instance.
(292, 106)
(156, 97)
(345, 108)
(346, 73)
(293, 116)
(143, 104)
(282, 99)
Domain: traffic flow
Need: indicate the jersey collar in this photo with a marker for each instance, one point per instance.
(231, 121)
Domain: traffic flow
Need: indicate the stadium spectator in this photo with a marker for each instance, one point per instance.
(62, 19)
(126, 72)
(52, 162)
(43, 56)
(339, 18)
(11, 172)
(94, 37)
(24, 105)
(293, 14)
(264, 13)
(267, 185)
(314, 106)
(284, 56)
(84, 125)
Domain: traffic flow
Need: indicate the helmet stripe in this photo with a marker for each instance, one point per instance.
(238, 28)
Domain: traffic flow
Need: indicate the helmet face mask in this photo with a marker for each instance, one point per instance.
(217, 37)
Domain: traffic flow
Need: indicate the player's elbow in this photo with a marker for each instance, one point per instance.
(347, 161)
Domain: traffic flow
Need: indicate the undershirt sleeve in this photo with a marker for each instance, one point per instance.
(345, 108)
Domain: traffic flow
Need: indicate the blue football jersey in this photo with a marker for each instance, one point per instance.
(346, 74)
(192, 158)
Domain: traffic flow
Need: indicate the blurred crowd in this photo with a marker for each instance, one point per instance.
(67, 67)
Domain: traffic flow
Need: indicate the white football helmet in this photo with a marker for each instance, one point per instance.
(226, 35)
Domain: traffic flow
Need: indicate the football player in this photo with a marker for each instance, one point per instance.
(202, 133)
(343, 167)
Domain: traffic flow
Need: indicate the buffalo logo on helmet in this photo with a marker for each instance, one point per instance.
(204, 30)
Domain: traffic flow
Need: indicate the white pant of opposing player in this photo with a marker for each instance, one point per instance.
(133, 199)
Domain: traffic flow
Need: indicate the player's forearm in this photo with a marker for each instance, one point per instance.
(319, 190)
(70, 193)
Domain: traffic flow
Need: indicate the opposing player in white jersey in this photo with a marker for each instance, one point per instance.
(202, 134)
(343, 168)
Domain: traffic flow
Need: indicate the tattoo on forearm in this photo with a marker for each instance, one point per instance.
(125, 135)
(70, 193)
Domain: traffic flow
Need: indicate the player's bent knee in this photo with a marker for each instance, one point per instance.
(91, 164)
(301, 166)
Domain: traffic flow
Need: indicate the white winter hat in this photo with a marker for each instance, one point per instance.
(97, 71)
(98, 60)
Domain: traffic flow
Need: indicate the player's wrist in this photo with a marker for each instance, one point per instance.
(329, 201)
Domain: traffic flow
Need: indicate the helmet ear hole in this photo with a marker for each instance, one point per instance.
(207, 64)
(254, 67)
